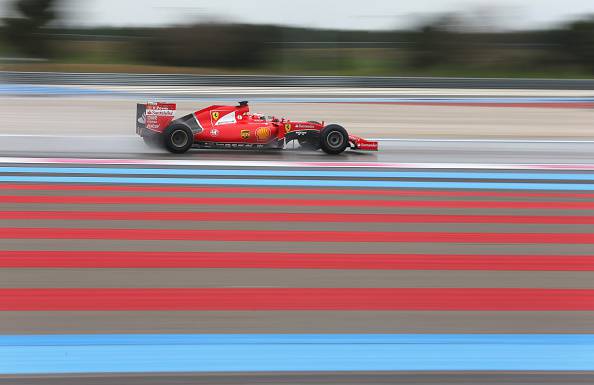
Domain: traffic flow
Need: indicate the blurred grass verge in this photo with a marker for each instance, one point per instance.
(447, 45)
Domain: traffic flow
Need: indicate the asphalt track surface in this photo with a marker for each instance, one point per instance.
(82, 257)
(113, 117)
(405, 151)
(425, 378)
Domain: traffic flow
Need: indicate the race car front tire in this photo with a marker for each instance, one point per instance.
(178, 138)
(334, 139)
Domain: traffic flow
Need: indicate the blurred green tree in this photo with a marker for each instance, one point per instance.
(577, 41)
(208, 45)
(24, 31)
(440, 42)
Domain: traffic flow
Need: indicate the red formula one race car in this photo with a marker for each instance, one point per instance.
(234, 127)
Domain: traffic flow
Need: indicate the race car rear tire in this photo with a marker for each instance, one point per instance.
(334, 139)
(178, 138)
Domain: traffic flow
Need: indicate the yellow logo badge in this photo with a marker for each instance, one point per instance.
(216, 115)
(263, 133)
(287, 127)
(245, 134)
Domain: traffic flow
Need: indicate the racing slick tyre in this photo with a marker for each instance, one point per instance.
(334, 139)
(178, 138)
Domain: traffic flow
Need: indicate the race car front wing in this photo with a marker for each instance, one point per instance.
(361, 144)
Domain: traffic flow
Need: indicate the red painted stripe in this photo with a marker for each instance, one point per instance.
(293, 236)
(134, 259)
(248, 201)
(283, 191)
(296, 299)
(292, 217)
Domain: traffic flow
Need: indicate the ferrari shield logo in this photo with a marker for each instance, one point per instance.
(216, 115)
(287, 127)
(245, 134)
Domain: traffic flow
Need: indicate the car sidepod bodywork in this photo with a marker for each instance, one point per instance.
(234, 127)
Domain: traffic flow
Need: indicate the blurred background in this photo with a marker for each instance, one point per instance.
(530, 38)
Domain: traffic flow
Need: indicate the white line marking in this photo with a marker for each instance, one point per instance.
(432, 92)
(231, 163)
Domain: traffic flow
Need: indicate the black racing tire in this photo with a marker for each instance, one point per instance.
(178, 138)
(334, 139)
(153, 141)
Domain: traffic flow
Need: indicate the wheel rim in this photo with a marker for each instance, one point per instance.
(335, 139)
(179, 138)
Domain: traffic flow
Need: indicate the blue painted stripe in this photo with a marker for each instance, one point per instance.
(301, 182)
(214, 353)
(303, 173)
(345, 99)
(27, 89)
(367, 99)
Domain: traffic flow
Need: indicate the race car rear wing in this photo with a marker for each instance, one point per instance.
(154, 116)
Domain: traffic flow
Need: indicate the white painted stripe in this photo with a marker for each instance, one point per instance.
(232, 163)
(225, 90)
